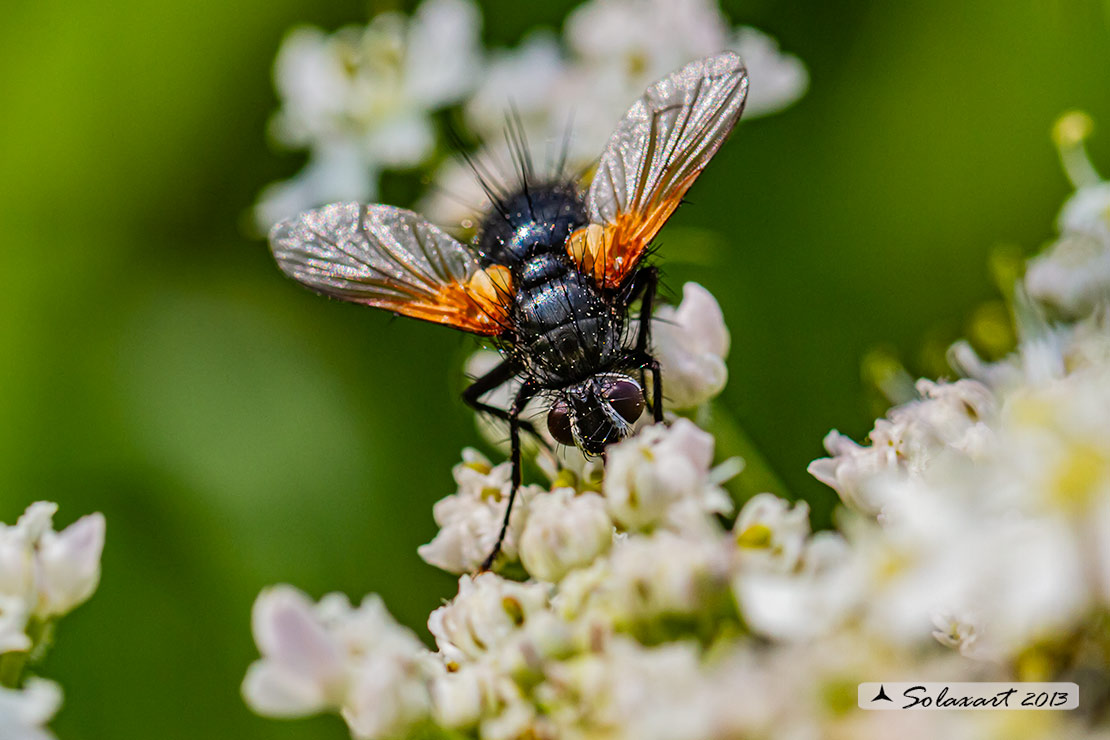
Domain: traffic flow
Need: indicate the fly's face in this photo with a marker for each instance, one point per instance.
(596, 412)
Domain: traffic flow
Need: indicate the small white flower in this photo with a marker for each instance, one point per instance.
(648, 474)
(691, 342)
(948, 416)
(50, 572)
(332, 657)
(771, 530)
(642, 40)
(637, 692)
(303, 669)
(564, 531)
(470, 691)
(25, 712)
(388, 695)
(523, 81)
(955, 632)
(810, 601)
(646, 577)
(470, 520)
(487, 609)
(69, 565)
(1073, 274)
(1087, 211)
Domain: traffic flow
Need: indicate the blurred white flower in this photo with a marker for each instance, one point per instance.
(50, 572)
(336, 171)
(522, 82)
(564, 531)
(1087, 212)
(470, 520)
(947, 416)
(332, 657)
(69, 565)
(1073, 273)
(458, 695)
(44, 574)
(650, 472)
(25, 712)
(646, 578)
(303, 669)
(691, 342)
(812, 600)
(360, 99)
(635, 692)
(642, 40)
(777, 79)
(772, 531)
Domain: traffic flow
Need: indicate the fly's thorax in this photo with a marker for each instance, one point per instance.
(596, 412)
(533, 220)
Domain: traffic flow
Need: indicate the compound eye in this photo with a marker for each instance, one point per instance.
(558, 423)
(626, 398)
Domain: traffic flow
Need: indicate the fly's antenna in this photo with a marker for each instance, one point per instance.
(481, 174)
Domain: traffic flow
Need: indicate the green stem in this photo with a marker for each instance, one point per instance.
(13, 664)
(758, 475)
(11, 669)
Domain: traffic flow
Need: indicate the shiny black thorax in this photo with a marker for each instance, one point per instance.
(565, 328)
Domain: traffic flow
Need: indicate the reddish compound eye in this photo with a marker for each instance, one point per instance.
(626, 398)
(558, 423)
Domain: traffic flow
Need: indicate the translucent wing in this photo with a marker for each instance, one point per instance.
(391, 258)
(657, 151)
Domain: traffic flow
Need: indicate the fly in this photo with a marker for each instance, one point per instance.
(552, 274)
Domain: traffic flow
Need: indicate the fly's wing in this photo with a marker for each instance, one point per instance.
(391, 258)
(657, 151)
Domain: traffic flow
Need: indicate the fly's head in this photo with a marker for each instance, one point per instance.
(597, 412)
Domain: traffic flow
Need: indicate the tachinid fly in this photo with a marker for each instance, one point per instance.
(553, 271)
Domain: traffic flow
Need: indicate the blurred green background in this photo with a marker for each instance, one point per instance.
(238, 431)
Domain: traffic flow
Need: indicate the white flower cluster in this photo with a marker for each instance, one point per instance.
(992, 500)
(44, 574)
(361, 100)
(638, 619)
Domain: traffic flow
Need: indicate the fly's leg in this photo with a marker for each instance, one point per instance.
(498, 376)
(645, 361)
(515, 425)
(644, 283)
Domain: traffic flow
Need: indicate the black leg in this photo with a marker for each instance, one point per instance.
(656, 391)
(515, 425)
(650, 282)
(499, 375)
(644, 283)
(645, 361)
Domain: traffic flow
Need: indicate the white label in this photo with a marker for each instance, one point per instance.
(969, 695)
